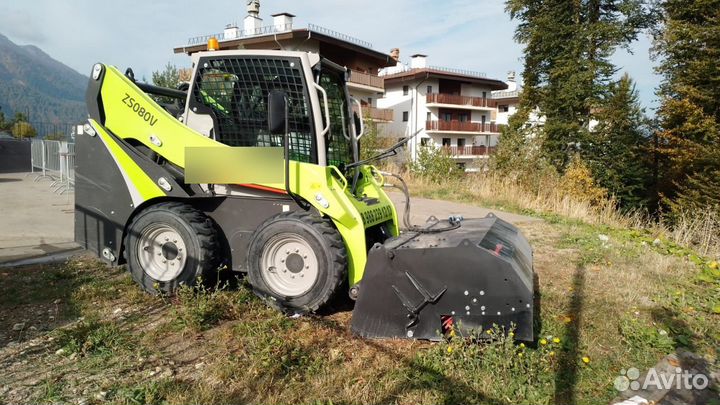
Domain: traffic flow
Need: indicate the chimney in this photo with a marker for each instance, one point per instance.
(231, 32)
(283, 21)
(253, 22)
(418, 61)
(395, 54)
(512, 84)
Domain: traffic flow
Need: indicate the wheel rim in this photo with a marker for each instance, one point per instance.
(289, 265)
(161, 252)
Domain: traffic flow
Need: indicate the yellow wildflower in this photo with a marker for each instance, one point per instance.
(586, 359)
(556, 340)
(543, 341)
(551, 354)
(522, 345)
(449, 349)
(713, 265)
(511, 334)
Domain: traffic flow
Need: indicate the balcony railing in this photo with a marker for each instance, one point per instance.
(451, 99)
(376, 114)
(366, 79)
(469, 150)
(461, 126)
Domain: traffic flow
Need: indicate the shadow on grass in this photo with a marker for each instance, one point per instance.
(567, 374)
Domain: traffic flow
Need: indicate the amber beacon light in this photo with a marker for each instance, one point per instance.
(213, 44)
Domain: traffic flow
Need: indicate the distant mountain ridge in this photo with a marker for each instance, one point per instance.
(31, 81)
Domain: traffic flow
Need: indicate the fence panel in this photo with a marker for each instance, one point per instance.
(54, 160)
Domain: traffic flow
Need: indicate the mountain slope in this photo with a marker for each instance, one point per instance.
(33, 82)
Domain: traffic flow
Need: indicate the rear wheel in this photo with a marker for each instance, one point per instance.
(297, 262)
(171, 244)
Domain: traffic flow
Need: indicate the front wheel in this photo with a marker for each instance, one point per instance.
(297, 261)
(171, 244)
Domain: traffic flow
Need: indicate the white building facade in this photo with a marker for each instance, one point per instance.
(442, 107)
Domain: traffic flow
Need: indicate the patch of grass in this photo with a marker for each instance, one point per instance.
(460, 370)
(147, 392)
(51, 391)
(199, 309)
(93, 337)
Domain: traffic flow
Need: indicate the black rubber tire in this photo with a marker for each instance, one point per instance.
(198, 233)
(328, 246)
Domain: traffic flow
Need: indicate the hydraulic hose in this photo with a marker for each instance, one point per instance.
(406, 214)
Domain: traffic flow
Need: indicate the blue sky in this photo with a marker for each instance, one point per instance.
(468, 34)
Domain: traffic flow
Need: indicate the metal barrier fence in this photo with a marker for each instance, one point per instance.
(54, 160)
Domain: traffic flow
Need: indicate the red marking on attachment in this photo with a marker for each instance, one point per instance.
(447, 323)
(498, 249)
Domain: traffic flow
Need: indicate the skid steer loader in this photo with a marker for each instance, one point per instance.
(313, 224)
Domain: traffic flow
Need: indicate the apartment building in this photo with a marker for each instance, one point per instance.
(442, 107)
(459, 110)
(283, 34)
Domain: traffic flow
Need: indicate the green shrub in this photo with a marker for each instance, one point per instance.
(435, 164)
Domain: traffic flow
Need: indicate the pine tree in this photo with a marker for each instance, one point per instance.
(617, 149)
(689, 115)
(169, 78)
(567, 68)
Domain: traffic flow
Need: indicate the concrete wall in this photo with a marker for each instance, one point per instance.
(14, 156)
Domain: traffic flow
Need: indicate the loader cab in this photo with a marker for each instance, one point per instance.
(228, 101)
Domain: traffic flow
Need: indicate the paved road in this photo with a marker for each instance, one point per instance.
(34, 221)
(422, 208)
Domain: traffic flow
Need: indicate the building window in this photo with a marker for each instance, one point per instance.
(484, 94)
(461, 142)
(429, 89)
(406, 90)
(461, 165)
(464, 117)
(446, 142)
(424, 141)
(406, 116)
(370, 101)
(447, 116)
(504, 108)
(429, 116)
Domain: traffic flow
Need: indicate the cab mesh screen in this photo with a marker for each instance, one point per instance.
(236, 90)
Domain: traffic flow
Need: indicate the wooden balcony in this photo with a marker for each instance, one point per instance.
(366, 79)
(458, 151)
(462, 126)
(462, 101)
(376, 114)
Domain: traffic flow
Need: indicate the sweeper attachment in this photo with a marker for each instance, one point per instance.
(253, 166)
(472, 279)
